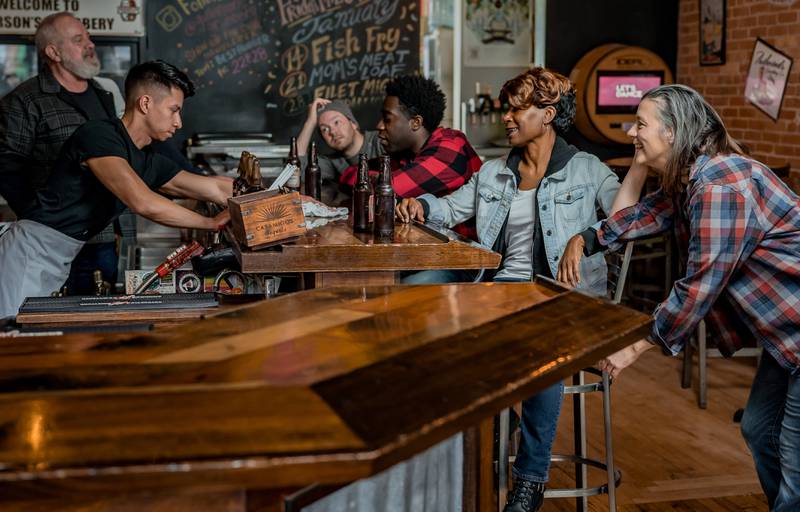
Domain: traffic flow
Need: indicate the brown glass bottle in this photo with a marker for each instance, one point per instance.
(362, 197)
(384, 201)
(293, 183)
(313, 177)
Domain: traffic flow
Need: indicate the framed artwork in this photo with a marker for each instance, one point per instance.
(766, 78)
(712, 32)
(497, 33)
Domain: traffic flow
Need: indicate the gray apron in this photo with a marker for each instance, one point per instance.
(34, 262)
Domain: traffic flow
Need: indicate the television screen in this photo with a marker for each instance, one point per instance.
(620, 92)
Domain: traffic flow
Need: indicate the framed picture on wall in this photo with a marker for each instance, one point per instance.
(766, 78)
(497, 33)
(712, 32)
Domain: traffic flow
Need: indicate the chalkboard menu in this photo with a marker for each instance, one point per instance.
(257, 64)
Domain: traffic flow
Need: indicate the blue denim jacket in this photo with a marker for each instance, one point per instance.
(567, 204)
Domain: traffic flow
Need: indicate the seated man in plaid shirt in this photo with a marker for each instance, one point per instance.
(426, 158)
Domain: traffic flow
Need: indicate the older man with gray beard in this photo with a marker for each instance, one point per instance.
(39, 115)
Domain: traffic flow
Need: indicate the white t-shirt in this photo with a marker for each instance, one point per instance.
(517, 262)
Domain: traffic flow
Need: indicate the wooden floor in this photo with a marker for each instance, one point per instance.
(673, 455)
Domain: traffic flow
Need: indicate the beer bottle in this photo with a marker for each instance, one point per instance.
(293, 183)
(362, 197)
(384, 201)
(100, 286)
(313, 176)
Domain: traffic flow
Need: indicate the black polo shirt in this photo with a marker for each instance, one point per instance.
(74, 201)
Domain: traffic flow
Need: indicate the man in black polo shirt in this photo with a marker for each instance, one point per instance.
(104, 167)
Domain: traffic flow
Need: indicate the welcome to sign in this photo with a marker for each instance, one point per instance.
(101, 17)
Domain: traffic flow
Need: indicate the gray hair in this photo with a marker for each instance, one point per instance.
(47, 34)
(697, 129)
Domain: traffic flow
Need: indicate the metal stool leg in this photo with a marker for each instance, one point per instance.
(502, 460)
(610, 470)
(702, 361)
(582, 490)
(579, 433)
(686, 378)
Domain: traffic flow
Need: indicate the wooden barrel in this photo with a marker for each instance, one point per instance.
(605, 114)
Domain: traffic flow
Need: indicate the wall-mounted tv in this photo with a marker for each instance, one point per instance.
(619, 92)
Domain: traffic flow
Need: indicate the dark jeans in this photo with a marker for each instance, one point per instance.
(92, 257)
(438, 276)
(539, 421)
(771, 428)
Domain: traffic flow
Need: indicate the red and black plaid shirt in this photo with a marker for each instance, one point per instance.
(444, 164)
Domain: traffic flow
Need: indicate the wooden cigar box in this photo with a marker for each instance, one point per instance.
(265, 218)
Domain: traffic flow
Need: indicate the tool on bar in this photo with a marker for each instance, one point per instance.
(175, 259)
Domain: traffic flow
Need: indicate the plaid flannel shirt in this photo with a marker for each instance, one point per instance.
(739, 226)
(444, 164)
(35, 121)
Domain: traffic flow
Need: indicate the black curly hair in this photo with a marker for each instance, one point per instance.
(419, 96)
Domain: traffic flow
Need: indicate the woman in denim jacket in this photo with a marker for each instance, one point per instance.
(527, 206)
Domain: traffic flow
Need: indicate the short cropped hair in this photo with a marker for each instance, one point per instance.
(541, 87)
(159, 74)
(46, 32)
(419, 96)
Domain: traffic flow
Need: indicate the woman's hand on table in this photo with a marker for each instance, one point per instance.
(402, 233)
(569, 268)
(409, 209)
(618, 361)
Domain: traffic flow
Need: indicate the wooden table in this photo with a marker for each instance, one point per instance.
(118, 320)
(162, 317)
(327, 386)
(333, 255)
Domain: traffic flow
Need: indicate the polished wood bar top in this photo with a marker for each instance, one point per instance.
(334, 247)
(327, 385)
(120, 309)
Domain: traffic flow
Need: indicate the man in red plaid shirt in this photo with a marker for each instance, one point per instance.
(426, 158)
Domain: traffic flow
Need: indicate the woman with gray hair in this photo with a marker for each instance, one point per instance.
(739, 227)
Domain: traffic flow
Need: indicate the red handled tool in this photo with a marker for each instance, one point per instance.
(175, 259)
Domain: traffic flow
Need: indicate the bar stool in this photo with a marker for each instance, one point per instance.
(618, 264)
(653, 255)
(699, 342)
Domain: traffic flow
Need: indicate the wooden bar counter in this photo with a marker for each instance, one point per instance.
(328, 386)
(333, 255)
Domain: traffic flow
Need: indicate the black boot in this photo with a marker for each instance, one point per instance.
(526, 496)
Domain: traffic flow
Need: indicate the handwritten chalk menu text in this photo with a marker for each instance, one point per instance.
(258, 64)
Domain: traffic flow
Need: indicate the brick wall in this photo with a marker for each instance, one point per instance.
(778, 23)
